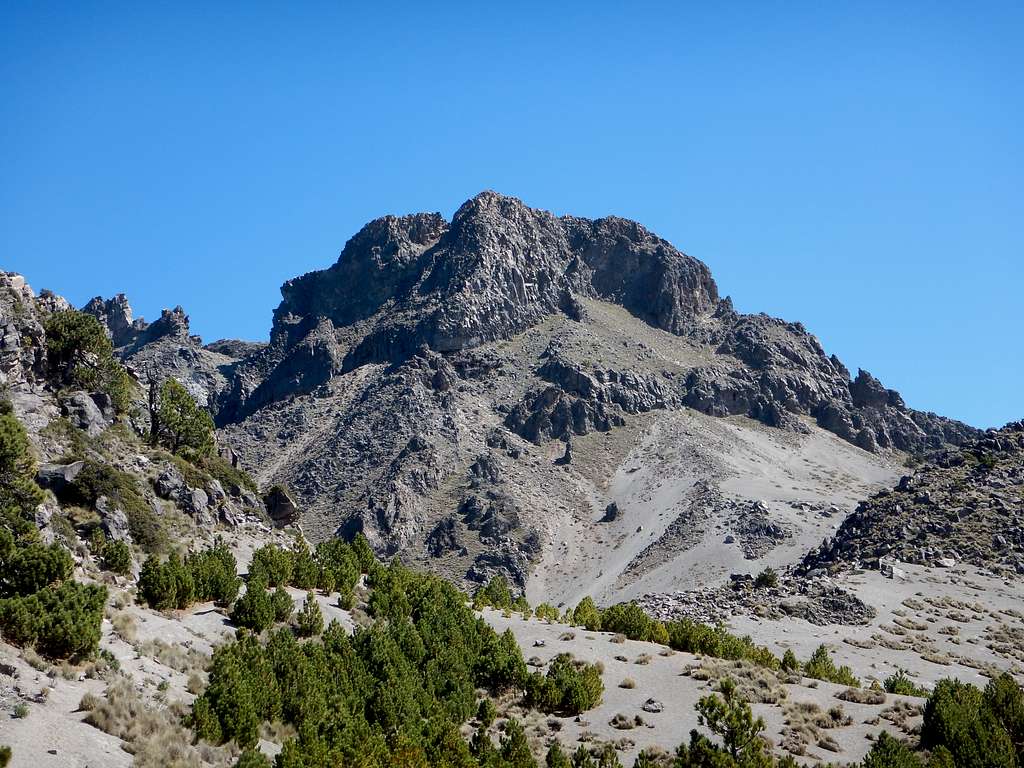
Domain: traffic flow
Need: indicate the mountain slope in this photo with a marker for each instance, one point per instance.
(470, 394)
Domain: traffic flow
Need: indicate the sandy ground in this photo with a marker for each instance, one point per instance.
(655, 484)
(936, 623)
(665, 679)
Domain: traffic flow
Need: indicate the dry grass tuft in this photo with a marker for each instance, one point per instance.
(627, 682)
(153, 734)
(124, 626)
(862, 696)
(175, 656)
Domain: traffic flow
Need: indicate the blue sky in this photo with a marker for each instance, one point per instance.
(854, 166)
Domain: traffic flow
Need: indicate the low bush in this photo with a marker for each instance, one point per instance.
(203, 576)
(821, 667)
(61, 621)
(901, 683)
(570, 687)
(116, 556)
(255, 610)
(310, 621)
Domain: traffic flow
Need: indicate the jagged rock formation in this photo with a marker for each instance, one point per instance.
(166, 347)
(41, 406)
(962, 505)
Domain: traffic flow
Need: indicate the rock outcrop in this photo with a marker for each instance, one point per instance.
(962, 504)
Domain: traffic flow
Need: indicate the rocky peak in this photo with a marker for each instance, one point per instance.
(866, 390)
(116, 316)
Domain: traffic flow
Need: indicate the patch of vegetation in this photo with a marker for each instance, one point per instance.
(821, 667)
(116, 556)
(396, 692)
(310, 621)
(79, 355)
(767, 578)
(901, 683)
(570, 687)
(630, 620)
(39, 606)
(204, 576)
(178, 423)
(256, 610)
(97, 480)
(495, 593)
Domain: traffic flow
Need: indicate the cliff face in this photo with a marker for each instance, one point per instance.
(504, 338)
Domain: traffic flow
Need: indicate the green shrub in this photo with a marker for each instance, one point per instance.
(117, 557)
(821, 667)
(310, 621)
(79, 354)
(960, 718)
(789, 661)
(587, 615)
(900, 683)
(691, 637)
(282, 604)
(767, 578)
(630, 620)
(179, 423)
(214, 574)
(5, 756)
(495, 594)
(729, 716)
(27, 568)
(890, 752)
(486, 713)
(570, 687)
(271, 564)
(547, 612)
(254, 610)
(19, 495)
(61, 621)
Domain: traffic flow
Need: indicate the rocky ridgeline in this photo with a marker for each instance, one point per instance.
(499, 268)
(963, 505)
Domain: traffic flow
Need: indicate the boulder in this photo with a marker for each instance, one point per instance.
(113, 520)
(57, 477)
(82, 410)
(611, 513)
(280, 507)
(170, 484)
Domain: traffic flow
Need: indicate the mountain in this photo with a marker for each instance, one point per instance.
(476, 394)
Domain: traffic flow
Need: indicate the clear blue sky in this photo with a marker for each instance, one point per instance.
(857, 167)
